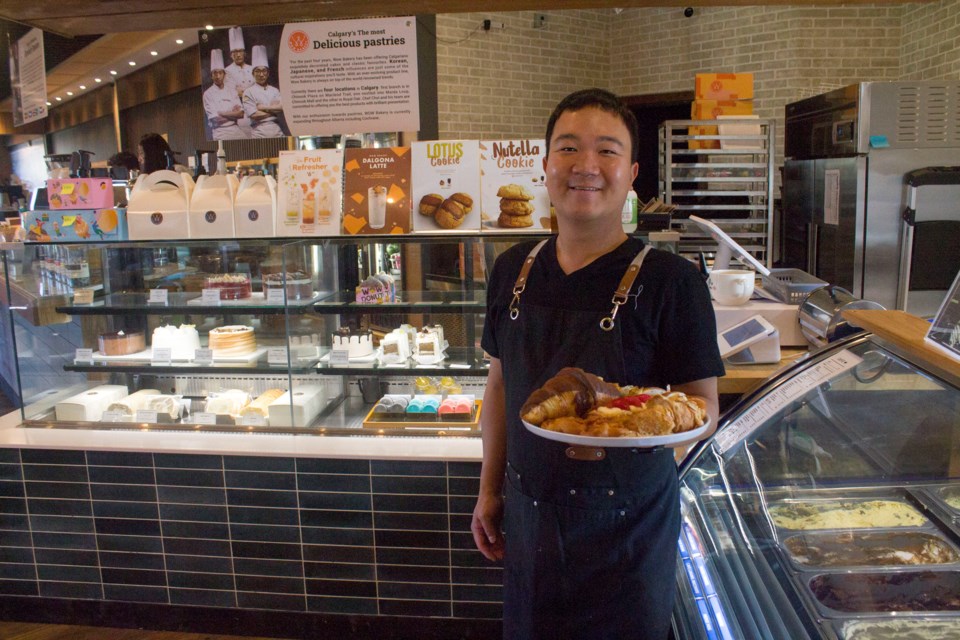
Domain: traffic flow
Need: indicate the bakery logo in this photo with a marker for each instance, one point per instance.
(210, 216)
(253, 215)
(156, 218)
(515, 155)
(298, 42)
(444, 153)
(716, 86)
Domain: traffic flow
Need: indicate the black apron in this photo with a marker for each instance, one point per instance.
(590, 545)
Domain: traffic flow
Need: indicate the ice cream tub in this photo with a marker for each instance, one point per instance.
(902, 628)
(950, 497)
(842, 594)
(840, 512)
(869, 548)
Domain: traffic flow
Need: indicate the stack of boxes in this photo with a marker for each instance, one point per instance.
(719, 94)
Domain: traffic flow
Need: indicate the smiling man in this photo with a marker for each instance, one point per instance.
(588, 538)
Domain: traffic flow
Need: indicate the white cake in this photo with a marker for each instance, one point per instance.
(229, 402)
(297, 409)
(90, 405)
(182, 341)
(128, 407)
(169, 406)
(357, 343)
(395, 347)
(429, 343)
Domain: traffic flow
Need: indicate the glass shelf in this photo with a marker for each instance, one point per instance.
(185, 303)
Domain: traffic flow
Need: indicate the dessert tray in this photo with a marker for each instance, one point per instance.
(147, 355)
(602, 441)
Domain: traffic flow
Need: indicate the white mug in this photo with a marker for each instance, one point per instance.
(731, 286)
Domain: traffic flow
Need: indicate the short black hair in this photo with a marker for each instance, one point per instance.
(599, 99)
(124, 159)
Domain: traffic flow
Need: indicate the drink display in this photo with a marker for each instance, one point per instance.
(377, 207)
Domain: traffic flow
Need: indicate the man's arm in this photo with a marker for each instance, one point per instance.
(488, 514)
(706, 388)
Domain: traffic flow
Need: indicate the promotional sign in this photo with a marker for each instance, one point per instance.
(28, 78)
(446, 185)
(513, 188)
(308, 202)
(376, 191)
(311, 78)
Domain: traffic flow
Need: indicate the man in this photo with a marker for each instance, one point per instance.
(221, 103)
(261, 102)
(239, 73)
(589, 538)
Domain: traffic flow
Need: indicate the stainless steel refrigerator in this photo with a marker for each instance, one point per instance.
(848, 152)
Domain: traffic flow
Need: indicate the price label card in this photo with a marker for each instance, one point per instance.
(340, 357)
(158, 296)
(202, 417)
(459, 365)
(253, 420)
(203, 357)
(210, 297)
(144, 415)
(161, 355)
(112, 416)
(275, 296)
(277, 355)
(83, 356)
(83, 296)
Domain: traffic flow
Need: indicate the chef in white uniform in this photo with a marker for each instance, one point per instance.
(239, 73)
(221, 103)
(262, 102)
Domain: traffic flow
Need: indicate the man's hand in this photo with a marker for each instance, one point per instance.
(487, 516)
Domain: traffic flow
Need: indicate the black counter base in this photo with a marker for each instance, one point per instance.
(283, 624)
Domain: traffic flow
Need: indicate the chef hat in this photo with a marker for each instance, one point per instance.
(236, 38)
(260, 56)
(216, 60)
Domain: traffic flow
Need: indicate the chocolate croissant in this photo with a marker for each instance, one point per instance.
(572, 392)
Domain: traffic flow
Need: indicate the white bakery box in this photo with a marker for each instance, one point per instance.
(297, 409)
(211, 207)
(159, 205)
(255, 206)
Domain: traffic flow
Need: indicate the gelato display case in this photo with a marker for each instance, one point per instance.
(827, 505)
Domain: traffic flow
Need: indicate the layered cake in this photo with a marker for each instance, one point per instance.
(261, 406)
(296, 409)
(840, 514)
(121, 343)
(232, 340)
(358, 343)
(395, 347)
(229, 402)
(948, 629)
(297, 284)
(90, 405)
(182, 341)
(232, 286)
(429, 342)
(128, 407)
(869, 548)
(910, 591)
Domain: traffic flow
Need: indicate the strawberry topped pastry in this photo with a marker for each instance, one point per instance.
(580, 403)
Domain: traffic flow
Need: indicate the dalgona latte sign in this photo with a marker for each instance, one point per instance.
(344, 76)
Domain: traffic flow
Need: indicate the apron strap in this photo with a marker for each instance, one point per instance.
(626, 283)
(521, 282)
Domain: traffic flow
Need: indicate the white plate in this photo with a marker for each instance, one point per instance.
(601, 441)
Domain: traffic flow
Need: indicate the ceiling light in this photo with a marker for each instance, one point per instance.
(49, 104)
(97, 80)
(132, 63)
(209, 27)
(179, 41)
(58, 98)
(69, 93)
(154, 53)
(83, 86)
(112, 72)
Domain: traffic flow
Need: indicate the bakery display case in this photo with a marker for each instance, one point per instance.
(336, 336)
(826, 505)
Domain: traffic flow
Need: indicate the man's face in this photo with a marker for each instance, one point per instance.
(218, 75)
(588, 168)
(261, 74)
(237, 55)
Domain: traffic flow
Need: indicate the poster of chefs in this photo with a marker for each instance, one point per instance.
(241, 86)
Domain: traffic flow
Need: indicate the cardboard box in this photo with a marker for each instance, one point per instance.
(445, 170)
(512, 186)
(711, 110)
(309, 193)
(80, 193)
(724, 86)
(211, 207)
(159, 206)
(83, 225)
(255, 206)
(376, 191)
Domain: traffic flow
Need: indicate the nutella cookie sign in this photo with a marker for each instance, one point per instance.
(376, 191)
(513, 192)
(446, 185)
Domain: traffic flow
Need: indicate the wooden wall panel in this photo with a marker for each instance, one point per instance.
(96, 135)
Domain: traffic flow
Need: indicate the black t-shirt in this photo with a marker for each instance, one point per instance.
(667, 325)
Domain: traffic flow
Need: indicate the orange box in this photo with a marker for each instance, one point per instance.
(724, 86)
(711, 110)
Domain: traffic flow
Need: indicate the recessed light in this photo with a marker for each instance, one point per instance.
(179, 40)
(154, 53)
(112, 72)
(58, 98)
(97, 80)
(49, 104)
(209, 27)
(83, 86)
(69, 93)
(132, 63)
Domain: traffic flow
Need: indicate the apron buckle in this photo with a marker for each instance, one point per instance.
(586, 454)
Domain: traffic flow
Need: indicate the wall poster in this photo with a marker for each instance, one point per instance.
(28, 78)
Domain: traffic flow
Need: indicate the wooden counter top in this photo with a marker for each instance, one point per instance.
(741, 378)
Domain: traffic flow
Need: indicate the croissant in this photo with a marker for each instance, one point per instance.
(572, 392)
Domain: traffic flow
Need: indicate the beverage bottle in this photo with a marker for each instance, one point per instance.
(628, 217)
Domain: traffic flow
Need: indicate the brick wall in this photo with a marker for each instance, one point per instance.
(930, 43)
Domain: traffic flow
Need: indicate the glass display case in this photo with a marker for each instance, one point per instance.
(344, 335)
(827, 505)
